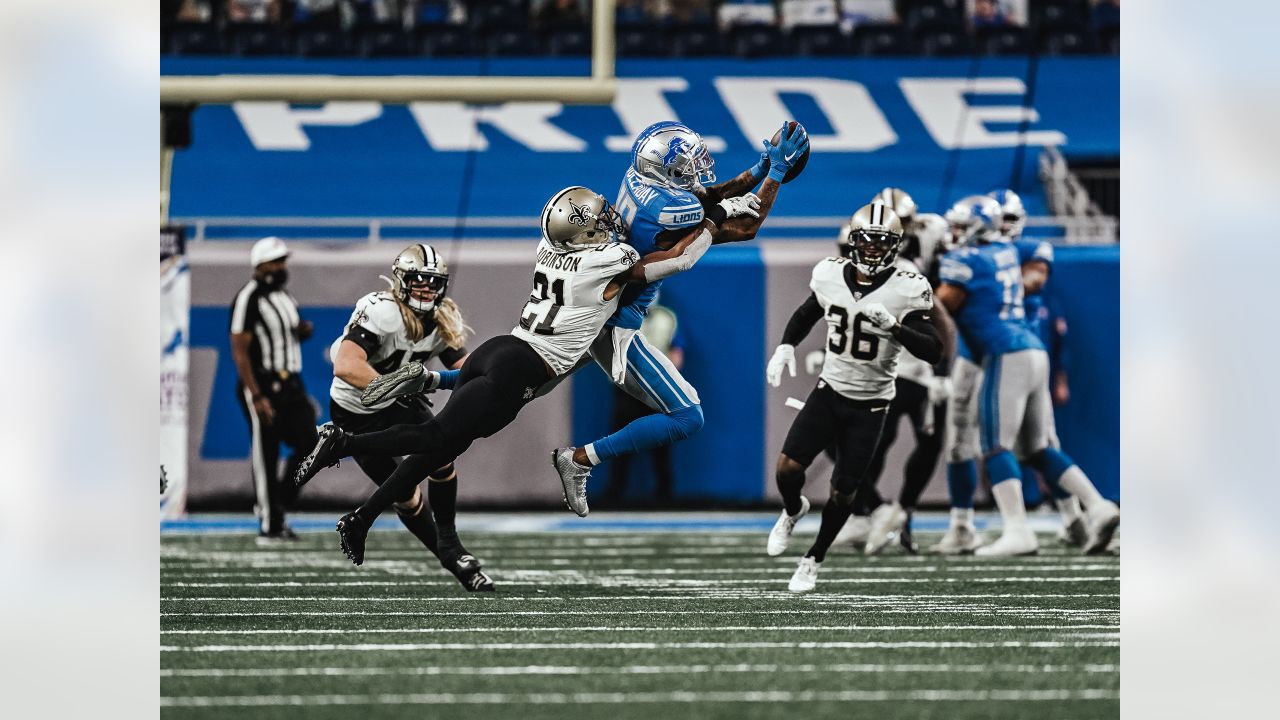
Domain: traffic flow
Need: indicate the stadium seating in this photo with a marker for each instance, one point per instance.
(817, 40)
(322, 42)
(386, 40)
(751, 41)
(876, 40)
(641, 41)
(194, 39)
(567, 43)
(254, 39)
(1002, 41)
(694, 41)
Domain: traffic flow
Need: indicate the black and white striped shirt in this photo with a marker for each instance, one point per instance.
(272, 317)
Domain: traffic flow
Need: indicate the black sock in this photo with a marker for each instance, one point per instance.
(789, 487)
(443, 499)
(834, 516)
(419, 522)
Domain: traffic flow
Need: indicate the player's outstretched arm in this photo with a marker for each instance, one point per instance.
(664, 263)
(798, 327)
(352, 365)
(791, 145)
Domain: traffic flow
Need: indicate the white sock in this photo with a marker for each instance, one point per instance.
(961, 517)
(592, 458)
(1069, 508)
(1077, 483)
(1008, 495)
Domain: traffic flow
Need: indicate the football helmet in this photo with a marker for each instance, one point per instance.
(975, 218)
(577, 218)
(1013, 215)
(670, 153)
(900, 203)
(419, 267)
(874, 238)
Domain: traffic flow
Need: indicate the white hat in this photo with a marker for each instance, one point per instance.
(266, 250)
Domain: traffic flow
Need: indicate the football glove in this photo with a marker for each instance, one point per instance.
(878, 315)
(790, 146)
(747, 204)
(783, 357)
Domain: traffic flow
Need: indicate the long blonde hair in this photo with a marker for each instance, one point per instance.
(453, 329)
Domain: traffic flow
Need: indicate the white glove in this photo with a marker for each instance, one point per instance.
(743, 205)
(940, 390)
(783, 357)
(878, 315)
(813, 361)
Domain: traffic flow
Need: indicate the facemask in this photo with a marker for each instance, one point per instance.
(275, 280)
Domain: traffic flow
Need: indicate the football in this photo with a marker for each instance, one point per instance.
(798, 167)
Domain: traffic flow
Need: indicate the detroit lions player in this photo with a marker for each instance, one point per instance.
(663, 200)
(982, 286)
(872, 311)
(580, 272)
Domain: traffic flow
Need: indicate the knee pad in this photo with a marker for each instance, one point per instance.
(689, 421)
(1052, 463)
(1001, 466)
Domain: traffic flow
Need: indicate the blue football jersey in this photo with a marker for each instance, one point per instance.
(1029, 250)
(993, 319)
(648, 210)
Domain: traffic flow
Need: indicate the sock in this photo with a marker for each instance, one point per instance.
(1030, 486)
(962, 481)
(417, 519)
(647, 433)
(834, 516)
(1077, 483)
(1006, 487)
(442, 496)
(961, 517)
(1069, 508)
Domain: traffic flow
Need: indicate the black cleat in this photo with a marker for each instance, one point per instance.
(468, 571)
(278, 537)
(329, 449)
(904, 538)
(352, 532)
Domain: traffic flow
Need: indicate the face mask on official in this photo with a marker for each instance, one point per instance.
(273, 275)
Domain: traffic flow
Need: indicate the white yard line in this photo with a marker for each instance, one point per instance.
(418, 570)
(616, 581)
(825, 610)
(595, 629)
(800, 645)
(469, 671)
(777, 595)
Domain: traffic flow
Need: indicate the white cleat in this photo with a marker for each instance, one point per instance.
(854, 533)
(573, 478)
(958, 540)
(1074, 533)
(886, 522)
(806, 577)
(1103, 519)
(780, 535)
(1011, 542)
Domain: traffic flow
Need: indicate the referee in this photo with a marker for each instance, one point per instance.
(266, 332)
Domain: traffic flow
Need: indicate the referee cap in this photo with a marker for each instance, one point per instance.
(266, 250)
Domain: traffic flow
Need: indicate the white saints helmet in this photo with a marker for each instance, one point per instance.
(900, 203)
(577, 218)
(975, 218)
(874, 238)
(419, 267)
(670, 153)
(1013, 215)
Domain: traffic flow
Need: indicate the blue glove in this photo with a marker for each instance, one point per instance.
(790, 146)
(761, 167)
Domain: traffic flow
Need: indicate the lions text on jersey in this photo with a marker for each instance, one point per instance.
(377, 326)
(992, 319)
(648, 210)
(567, 308)
(862, 360)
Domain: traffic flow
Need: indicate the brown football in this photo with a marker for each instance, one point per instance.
(798, 166)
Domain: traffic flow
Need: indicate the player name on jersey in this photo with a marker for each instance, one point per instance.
(552, 260)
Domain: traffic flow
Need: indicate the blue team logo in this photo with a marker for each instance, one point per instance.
(677, 148)
(580, 215)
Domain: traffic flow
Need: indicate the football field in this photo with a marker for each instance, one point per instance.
(631, 620)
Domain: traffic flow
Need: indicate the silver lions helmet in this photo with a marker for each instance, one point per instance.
(577, 218)
(975, 218)
(1013, 215)
(874, 238)
(420, 277)
(900, 203)
(671, 153)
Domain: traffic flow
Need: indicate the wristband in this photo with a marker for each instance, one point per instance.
(776, 174)
(717, 215)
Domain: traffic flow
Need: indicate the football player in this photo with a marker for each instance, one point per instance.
(414, 321)
(579, 275)
(872, 310)
(982, 286)
(664, 200)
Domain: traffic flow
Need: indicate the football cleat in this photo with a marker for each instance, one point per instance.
(854, 533)
(573, 478)
(806, 577)
(958, 540)
(278, 537)
(1103, 519)
(468, 571)
(408, 380)
(905, 538)
(330, 448)
(352, 532)
(1074, 533)
(886, 522)
(1011, 542)
(780, 535)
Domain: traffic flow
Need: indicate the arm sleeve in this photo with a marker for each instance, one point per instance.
(918, 335)
(365, 338)
(449, 356)
(802, 321)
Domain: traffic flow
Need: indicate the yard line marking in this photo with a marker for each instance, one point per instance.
(845, 607)
(624, 670)
(416, 570)
(776, 595)
(597, 580)
(766, 696)
(687, 628)
(799, 645)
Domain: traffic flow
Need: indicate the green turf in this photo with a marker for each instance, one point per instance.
(617, 625)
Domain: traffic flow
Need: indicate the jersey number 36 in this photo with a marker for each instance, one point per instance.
(864, 345)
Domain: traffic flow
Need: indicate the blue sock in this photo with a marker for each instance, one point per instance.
(647, 433)
(1030, 485)
(1052, 463)
(1002, 467)
(448, 379)
(962, 480)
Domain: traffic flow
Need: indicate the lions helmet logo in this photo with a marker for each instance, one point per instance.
(674, 150)
(580, 215)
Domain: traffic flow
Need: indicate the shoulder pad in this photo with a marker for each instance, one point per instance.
(1035, 250)
(379, 313)
(914, 285)
(615, 256)
(954, 269)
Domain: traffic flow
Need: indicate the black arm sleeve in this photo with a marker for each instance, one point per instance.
(364, 338)
(802, 321)
(452, 355)
(918, 335)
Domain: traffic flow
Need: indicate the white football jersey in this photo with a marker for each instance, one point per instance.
(931, 232)
(379, 314)
(567, 308)
(862, 360)
(911, 367)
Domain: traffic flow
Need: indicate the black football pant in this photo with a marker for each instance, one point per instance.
(294, 425)
(911, 399)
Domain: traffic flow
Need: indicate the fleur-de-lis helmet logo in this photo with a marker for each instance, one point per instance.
(580, 215)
